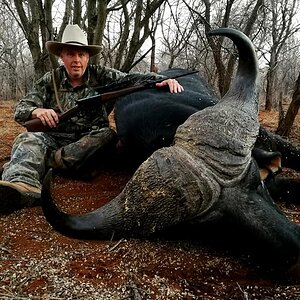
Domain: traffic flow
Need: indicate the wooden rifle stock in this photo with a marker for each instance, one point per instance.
(36, 125)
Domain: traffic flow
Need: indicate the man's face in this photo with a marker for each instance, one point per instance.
(75, 61)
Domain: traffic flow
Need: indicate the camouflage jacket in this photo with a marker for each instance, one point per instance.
(43, 96)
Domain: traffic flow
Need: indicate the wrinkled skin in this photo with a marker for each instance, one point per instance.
(207, 182)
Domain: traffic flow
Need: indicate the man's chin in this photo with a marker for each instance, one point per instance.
(76, 75)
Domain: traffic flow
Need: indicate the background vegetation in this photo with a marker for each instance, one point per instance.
(154, 35)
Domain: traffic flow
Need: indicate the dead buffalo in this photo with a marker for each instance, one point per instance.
(147, 120)
(206, 183)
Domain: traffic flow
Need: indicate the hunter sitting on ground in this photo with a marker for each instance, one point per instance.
(68, 144)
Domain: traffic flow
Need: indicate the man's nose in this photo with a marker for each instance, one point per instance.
(76, 57)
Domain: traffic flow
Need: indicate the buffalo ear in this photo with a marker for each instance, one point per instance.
(269, 163)
(273, 168)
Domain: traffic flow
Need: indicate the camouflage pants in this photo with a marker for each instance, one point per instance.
(34, 152)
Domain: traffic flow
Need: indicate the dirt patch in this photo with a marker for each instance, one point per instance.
(38, 263)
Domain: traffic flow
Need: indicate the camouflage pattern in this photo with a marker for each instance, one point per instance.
(42, 96)
(71, 143)
(28, 159)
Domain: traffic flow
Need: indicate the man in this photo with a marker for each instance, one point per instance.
(68, 144)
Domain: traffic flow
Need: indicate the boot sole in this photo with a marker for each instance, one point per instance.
(12, 200)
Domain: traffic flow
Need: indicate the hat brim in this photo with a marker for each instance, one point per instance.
(56, 47)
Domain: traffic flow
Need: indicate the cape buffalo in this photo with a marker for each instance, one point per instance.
(206, 183)
(147, 120)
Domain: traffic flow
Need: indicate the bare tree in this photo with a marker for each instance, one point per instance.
(285, 126)
(96, 14)
(227, 16)
(154, 26)
(175, 41)
(122, 27)
(77, 11)
(135, 19)
(282, 15)
(127, 28)
(15, 71)
(36, 25)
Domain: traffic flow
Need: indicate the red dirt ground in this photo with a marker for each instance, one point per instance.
(38, 263)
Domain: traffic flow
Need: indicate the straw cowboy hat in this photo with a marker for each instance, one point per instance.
(72, 36)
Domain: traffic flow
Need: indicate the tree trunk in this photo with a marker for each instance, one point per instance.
(100, 26)
(141, 30)
(12, 81)
(153, 66)
(269, 89)
(284, 129)
(77, 12)
(280, 110)
(39, 23)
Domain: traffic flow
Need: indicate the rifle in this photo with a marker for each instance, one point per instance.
(36, 125)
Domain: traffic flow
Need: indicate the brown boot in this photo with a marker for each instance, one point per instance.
(17, 195)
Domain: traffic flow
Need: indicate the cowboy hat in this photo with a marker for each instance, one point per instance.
(72, 36)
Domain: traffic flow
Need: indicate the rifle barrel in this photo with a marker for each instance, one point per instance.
(36, 125)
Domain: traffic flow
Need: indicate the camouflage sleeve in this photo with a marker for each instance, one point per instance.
(36, 98)
(110, 75)
(140, 77)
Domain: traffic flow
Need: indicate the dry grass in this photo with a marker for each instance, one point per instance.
(38, 263)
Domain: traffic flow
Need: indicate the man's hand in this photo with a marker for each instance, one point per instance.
(173, 84)
(47, 116)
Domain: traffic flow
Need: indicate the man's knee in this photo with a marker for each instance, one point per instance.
(75, 155)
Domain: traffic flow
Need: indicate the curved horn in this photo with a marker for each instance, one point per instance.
(248, 65)
(80, 226)
(180, 183)
(244, 82)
